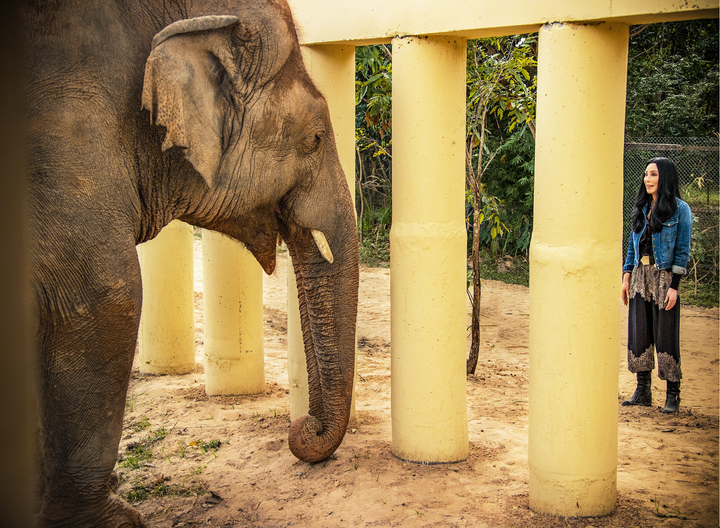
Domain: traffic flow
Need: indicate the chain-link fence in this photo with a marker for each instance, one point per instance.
(697, 163)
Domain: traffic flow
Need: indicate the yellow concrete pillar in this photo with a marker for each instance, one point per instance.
(233, 300)
(428, 241)
(167, 325)
(297, 367)
(574, 269)
(332, 69)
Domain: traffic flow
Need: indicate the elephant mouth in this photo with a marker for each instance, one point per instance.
(288, 231)
(262, 238)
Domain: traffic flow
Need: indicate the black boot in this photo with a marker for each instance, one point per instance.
(643, 393)
(672, 401)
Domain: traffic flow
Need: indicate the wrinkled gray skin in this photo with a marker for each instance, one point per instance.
(223, 129)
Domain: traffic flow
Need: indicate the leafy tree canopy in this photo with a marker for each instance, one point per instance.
(672, 85)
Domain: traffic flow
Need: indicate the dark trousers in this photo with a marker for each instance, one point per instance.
(650, 327)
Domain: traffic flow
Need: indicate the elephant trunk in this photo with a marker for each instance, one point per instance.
(328, 294)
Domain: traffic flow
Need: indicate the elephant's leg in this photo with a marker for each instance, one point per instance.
(86, 361)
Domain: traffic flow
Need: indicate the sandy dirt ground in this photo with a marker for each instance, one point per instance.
(187, 459)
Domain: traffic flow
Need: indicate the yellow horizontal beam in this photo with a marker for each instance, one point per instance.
(373, 21)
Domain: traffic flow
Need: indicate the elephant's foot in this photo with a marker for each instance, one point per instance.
(120, 514)
(114, 513)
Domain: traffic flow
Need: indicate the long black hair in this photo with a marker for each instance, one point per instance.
(668, 190)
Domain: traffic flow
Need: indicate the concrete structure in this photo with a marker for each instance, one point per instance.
(166, 338)
(233, 302)
(373, 21)
(428, 250)
(574, 257)
(573, 430)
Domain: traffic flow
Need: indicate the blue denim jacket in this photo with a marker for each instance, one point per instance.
(671, 246)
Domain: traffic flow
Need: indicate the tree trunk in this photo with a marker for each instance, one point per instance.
(475, 343)
(477, 209)
(361, 233)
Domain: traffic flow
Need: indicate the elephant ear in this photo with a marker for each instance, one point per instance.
(183, 91)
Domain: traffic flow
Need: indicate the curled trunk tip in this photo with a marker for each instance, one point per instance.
(307, 442)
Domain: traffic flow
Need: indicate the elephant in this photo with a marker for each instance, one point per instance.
(140, 112)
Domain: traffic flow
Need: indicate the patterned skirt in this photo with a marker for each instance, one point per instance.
(651, 328)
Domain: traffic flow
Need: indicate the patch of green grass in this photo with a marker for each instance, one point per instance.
(142, 424)
(157, 435)
(206, 446)
(375, 251)
(130, 403)
(700, 192)
(137, 493)
(517, 272)
(706, 296)
(374, 236)
(138, 454)
(142, 491)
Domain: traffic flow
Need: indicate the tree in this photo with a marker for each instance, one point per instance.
(501, 84)
(373, 133)
(672, 88)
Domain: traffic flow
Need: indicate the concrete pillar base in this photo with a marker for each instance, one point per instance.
(563, 495)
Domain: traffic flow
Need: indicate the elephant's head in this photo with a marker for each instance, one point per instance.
(234, 96)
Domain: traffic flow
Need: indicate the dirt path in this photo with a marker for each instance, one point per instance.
(667, 467)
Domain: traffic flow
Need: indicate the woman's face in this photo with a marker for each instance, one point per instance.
(652, 180)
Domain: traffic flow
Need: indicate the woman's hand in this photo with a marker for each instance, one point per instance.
(625, 288)
(670, 299)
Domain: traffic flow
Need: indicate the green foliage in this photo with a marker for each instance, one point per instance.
(157, 435)
(136, 457)
(373, 139)
(375, 242)
(501, 87)
(703, 265)
(508, 270)
(373, 96)
(142, 424)
(491, 227)
(673, 80)
(501, 78)
(138, 454)
(137, 493)
(206, 446)
(143, 490)
(699, 293)
(510, 180)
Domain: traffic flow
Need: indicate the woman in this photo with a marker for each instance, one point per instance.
(658, 252)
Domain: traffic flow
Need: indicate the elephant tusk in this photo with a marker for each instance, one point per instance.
(322, 245)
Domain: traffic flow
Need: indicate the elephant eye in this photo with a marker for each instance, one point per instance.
(312, 142)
